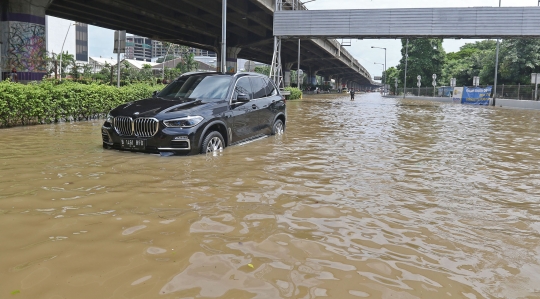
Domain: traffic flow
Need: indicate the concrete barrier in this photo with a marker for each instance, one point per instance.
(503, 103)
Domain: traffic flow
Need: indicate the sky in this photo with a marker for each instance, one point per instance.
(101, 40)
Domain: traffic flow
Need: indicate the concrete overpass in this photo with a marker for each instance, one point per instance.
(188, 22)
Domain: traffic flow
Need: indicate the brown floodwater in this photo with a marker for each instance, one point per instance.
(376, 198)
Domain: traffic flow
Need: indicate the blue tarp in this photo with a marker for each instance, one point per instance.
(476, 95)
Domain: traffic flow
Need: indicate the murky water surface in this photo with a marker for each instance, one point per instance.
(376, 198)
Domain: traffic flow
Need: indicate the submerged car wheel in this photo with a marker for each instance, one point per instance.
(278, 128)
(213, 142)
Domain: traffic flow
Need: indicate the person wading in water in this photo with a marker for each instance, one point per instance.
(352, 94)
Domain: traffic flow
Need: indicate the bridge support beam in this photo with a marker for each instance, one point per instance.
(23, 46)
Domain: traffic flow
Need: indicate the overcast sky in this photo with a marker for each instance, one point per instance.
(101, 40)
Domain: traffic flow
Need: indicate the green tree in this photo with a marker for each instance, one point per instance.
(473, 59)
(188, 63)
(265, 70)
(426, 57)
(518, 59)
(392, 74)
(67, 61)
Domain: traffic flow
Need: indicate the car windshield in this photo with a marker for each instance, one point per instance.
(197, 87)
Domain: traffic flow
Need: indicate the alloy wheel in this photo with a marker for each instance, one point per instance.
(215, 145)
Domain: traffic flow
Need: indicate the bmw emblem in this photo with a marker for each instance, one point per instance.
(136, 113)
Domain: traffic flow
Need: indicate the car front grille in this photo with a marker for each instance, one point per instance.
(146, 127)
(140, 127)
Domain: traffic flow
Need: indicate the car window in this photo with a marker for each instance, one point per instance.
(243, 86)
(259, 87)
(270, 88)
(198, 87)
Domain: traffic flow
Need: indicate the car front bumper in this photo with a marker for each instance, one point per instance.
(175, 140)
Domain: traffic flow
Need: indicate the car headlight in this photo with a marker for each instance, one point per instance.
(110, 118)
(184, 122)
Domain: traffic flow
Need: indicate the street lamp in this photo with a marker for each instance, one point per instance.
(62, 50)
(384, 65)
(406, 63)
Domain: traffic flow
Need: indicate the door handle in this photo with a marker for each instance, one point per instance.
(254, 106)
(273, 101)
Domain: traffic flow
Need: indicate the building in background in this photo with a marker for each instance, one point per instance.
(81, 42)
(159, 51)
(75, 35)
(139, 48)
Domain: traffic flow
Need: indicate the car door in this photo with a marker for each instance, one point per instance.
(271, 103)
(259, 104)
(242, 123)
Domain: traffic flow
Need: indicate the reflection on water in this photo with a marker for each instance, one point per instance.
(376, 198)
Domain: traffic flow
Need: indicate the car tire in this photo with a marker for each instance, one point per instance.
(213, 142)
(278, 128)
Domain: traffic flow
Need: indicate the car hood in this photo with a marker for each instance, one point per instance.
(153, 107)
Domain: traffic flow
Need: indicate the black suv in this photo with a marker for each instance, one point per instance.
(198, 113)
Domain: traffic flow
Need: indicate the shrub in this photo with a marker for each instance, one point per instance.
(49, 101)
(295, 93)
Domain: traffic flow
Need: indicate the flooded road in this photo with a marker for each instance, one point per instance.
(376, 198)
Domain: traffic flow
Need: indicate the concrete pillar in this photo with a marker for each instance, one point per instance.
(287, 74)
(232, 59)
(313, 77)
(23, 45)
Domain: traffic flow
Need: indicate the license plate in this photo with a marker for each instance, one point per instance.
(133, 144)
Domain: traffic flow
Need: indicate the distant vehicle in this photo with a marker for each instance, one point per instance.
(345, 90)
(198, 113)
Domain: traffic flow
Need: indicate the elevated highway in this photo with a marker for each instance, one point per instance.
(198, 24)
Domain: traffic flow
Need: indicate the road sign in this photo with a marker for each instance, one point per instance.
(119, 41)
(434, 83)
(419, 77)
(434, 77)
(476, 80)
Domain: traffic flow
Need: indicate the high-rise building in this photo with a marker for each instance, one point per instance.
(81, 42)
(158, 50)
(138, 48)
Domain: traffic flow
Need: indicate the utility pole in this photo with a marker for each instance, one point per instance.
(224, 37)
(406, 62)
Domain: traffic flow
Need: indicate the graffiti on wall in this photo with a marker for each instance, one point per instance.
(27, 48)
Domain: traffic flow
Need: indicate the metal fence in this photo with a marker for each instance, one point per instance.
(512, 92)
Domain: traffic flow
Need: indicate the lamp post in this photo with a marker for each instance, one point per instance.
(384, 83)
(224, 37)
(406, 63)
(62, 50)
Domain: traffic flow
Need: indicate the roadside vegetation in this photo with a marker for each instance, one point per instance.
(295, 93)
(49, 102)
(518, 58)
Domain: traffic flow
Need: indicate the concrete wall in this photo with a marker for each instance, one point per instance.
(518, 104)
(504, 103)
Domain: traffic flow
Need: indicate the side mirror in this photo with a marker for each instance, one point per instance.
(155, 93)
(242, 98)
